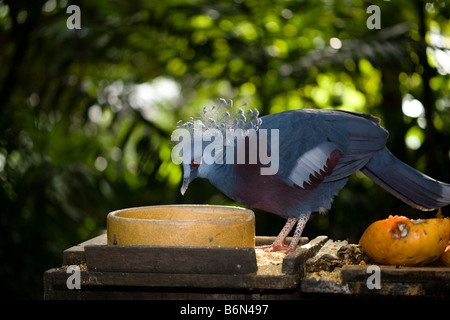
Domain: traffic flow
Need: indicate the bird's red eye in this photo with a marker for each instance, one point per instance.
(194, 164)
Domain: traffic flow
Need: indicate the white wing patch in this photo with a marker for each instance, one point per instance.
(314, 165)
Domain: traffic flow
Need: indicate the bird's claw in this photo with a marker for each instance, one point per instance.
(277, 247)
(290, 250)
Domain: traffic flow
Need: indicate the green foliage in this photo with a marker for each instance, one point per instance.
(86, 115)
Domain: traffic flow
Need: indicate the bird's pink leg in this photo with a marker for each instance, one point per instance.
(278, 244)
(298, 233)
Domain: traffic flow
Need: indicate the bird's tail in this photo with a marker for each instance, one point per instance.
(409, 185)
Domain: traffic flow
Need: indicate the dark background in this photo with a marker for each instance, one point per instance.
(86, 115)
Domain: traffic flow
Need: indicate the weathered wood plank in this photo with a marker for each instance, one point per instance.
(55, 279)
(429, 281)
(154, 259)
(219, 281)
(75, 255)
(294, 262)
(112, 285)
(398, 274)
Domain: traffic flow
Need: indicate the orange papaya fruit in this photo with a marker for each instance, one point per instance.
(445, 258)
(399, 240)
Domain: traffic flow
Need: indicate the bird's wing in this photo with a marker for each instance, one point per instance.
(324, 145)
(313, 166)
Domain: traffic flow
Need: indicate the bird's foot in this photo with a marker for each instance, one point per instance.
(274, 247)
(290, 250)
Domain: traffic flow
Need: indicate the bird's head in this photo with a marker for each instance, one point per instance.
(189, 150)
(203, 140)
(190, 172)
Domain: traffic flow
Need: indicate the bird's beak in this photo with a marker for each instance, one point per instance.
(185, 185)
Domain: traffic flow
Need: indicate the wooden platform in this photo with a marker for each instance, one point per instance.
(111, 271)
(137, 272)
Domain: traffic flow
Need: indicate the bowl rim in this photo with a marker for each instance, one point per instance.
(247, 214)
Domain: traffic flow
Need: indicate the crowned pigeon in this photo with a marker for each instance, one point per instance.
(293, 163)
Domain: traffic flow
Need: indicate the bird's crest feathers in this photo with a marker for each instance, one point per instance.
(225, 117)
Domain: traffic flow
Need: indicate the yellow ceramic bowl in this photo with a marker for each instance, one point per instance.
(182, 225)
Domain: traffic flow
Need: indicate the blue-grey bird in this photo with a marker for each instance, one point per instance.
(312, 153)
